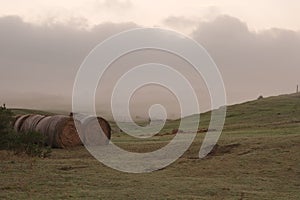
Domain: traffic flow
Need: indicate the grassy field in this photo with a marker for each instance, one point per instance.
(257, 157)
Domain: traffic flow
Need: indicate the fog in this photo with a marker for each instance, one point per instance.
(39, 62)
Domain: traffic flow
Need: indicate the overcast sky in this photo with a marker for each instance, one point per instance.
(256, 13)
(255, 44)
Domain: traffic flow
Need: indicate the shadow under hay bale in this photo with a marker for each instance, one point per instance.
(219, 150)
(175, 131)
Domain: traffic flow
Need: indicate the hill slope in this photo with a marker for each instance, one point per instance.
(272, 112)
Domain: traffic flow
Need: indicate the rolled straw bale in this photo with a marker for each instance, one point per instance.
(42, 127)
(60, 131)
(68, 136)
(15, 119)
(30, 123)
(95, 131)
(19, 121)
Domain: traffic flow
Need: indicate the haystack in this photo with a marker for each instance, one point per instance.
(95, 131)
(19, 121)
(60, 131)
(30, 123)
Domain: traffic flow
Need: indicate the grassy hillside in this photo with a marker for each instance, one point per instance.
(272, 112)
(257, 157)
(267, 113)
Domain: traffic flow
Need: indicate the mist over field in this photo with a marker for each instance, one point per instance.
(39, 62)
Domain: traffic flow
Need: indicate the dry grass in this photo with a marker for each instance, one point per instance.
(242, 167)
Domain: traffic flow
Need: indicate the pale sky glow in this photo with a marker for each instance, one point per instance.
(256, 13)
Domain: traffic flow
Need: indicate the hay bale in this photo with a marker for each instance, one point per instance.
(66, 134)
(94, 135)
(15, 120)
(59, 131)
(19, 121)
(30, 123)
(42, 127)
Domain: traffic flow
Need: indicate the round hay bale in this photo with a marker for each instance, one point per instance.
(19, 121)
(59, 131)
(15, 119)
(93, 134)
(42, 128)
(30, 123)
(66, 134)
